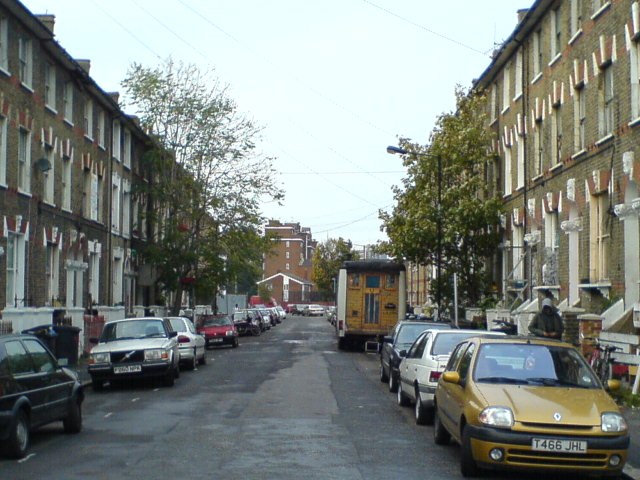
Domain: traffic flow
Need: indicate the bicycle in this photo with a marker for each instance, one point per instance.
(601, 360)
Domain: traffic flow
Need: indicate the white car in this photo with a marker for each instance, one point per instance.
(423, 364)
(311, 310)
(135, 348)
(190, 343)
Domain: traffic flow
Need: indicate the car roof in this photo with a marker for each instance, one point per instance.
(133, 319)
(522, 340)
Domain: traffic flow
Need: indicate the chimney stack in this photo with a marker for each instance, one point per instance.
(84, 64)
(522, 13)
(47, 20)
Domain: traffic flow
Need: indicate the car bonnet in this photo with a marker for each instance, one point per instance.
(132, 344)
(550, 405)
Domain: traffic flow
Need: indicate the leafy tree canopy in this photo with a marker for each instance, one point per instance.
(327, 260)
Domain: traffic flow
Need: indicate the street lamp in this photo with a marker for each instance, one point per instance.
(393, 150)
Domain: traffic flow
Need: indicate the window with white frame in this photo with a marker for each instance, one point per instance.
(50, 86)
(25, 61)
(4, 44)
(24, 160)
(94, 195)
(90, 195)
(3, 150)
(538, 147)
(517, 252)
(493, 103)
(116, 144)
(126, 210)
(537, 53)
(506, 79)
(634, 71)
(507, 170)
(286, 266)
(556, 135)
(555, 33)
(520, 162)
(127, 148)
(579, 118)
(518, 74)
(66, 183)
(67, 102)
(599, 237)
(575, 22)
(118, 272)
(99, 197)
(605, 117)
(94, 272)
(88, 118)
(134, 216)
(596, 5)
(551, 230)
(115, 204)
(100, 131)
(287, 255)
(74, 268)
(287, 243)
(15, 276)
(49, 176)
(52, 271)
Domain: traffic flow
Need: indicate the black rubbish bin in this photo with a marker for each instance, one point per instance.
(46, 334)
(67, 343)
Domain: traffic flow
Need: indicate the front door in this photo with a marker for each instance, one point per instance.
(372, 300)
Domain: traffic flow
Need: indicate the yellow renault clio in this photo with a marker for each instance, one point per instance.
(525, 403)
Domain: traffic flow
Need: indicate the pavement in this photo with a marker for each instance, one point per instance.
(632, 415)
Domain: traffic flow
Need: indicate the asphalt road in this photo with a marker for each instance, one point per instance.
(285, 405)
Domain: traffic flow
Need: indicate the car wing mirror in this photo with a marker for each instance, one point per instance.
(173, 334)
(63, 362)
(451, 377)
(613, 385)
(402, 353)
(387, 339)
(94, 340)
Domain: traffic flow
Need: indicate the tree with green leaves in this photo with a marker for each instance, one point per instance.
(208, 179)
(327, 260)
(444, 211)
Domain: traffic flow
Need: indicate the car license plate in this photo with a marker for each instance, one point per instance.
(553, 445)
(128, 369)
(216, 340)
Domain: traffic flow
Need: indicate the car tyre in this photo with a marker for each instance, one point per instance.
(384, 378)
(424, 415)
(468, 466)
(97, 385)
(17, 442)
(193, 363)
(393, 383)
(440, 434)
(169, 379)
(235, 343)
(72, 423)
(403, 401)
(203, 360)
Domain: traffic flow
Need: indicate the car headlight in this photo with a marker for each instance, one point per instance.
(100, 357)
(229, 333)
(497, 417)
(613, 422)
(155, 355)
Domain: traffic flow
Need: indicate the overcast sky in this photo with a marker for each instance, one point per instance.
(332, 82)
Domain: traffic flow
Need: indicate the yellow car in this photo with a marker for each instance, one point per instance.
(524, 403)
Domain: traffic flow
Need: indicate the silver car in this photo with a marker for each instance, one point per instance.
(190, 343)
(135, 348)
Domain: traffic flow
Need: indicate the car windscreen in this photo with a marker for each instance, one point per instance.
(444, 343)
(132, 329)
(408, 333)
(217, 321)
(178, 324)
(530, 364)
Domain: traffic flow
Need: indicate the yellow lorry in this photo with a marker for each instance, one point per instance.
(371, 299)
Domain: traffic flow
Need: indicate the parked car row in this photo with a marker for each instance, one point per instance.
(510, 402)
(307, 310)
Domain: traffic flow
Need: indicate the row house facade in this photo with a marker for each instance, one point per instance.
(70, 220)
(288, 268)
(564, 102)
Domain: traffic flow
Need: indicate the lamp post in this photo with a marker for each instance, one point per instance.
(393, 150)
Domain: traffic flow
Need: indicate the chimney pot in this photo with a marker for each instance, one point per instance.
(47, 20)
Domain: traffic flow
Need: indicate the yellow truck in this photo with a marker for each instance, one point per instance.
(371, 299)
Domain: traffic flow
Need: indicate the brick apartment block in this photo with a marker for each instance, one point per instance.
(564, 102)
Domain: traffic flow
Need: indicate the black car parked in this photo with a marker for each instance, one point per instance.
(400, 339)
(35, 389)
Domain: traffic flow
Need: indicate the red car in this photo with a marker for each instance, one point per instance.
(218, 330)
